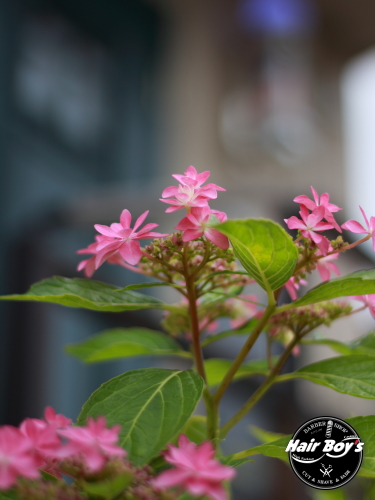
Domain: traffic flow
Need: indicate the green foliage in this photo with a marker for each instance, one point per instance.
(235, 462)
(362, 345)
(151, 405)
(196, 429)
(107, 488)
(123, 343)
(264, 436)
(78, 292)
(274, 449)
(335, 345)
(48, 477)
(265, 250)
(337, 494)
(9, 495)
(364, 426)
(351, 374)
(358, 283)
(217, 368)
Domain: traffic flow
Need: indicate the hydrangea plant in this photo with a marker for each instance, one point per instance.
(138, 437)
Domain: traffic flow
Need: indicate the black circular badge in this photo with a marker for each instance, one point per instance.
(325, 453)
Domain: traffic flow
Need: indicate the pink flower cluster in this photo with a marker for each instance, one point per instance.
(119, 243)
(195, 470)
(38, 444)
(190, 194)
(312, 223)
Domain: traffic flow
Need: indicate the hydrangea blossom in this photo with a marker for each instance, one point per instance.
(195, 469)
(16, 457)
(190, 192)
(118, 240)
(197, 223)
(311, 223)
(356, 227)
(55, 419)
(44, 441)
(94, 442)
(322, 201)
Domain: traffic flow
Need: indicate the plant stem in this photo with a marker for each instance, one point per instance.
(212, 414)
(268, 312)
(262, 389)
(194, 321)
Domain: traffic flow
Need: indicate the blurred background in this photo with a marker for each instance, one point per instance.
(100, 102)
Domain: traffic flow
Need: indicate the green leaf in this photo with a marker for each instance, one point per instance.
(264, 436)
(275, 449)
(196, 429)
(217, 368)
(337, 494)
(123, 343)
(78, 292)
(265, 250)
(107, 488)
(9, 495)
(363, 345)
(186, 496)
(140, 286)
(234, 462)
(353, 374)
(150, 404)
(335, 345)
(48, 477)
(365, 427)
(358, 283)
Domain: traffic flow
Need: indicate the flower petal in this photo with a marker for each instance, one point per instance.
(125, 219)
(192, 234)
(354, 227)
(304, 200)
(107, 231)
(140, 220)
(217, 238)
(365, 217)
(131, 252)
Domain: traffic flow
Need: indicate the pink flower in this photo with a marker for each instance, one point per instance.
(118, 238)
(197, 223)
(323, 202)
(292, 286)
(325, 267)
(16, 458)
(95, 442)
(196, 470)
(43, 438)
(356, 227)
(311, 223)
(190, 192)
(55, 419)
(369, 300)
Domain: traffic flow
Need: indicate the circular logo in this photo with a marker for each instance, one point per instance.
(325, 453)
